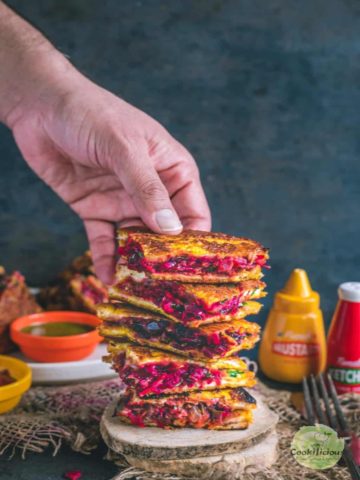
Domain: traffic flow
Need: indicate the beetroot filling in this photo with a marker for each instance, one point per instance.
(184, 338)
(91, 293)
(174, 300)
(155, 378)
(186, 414)
(134, 258)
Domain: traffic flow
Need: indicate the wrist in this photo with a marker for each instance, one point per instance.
(32, 72)
(35, 84)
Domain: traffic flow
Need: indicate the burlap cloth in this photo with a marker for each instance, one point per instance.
(50, 416)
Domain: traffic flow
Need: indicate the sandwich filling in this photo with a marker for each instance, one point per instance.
(132, 255)
(212, 411)
(210, 343)
(151, 372)
(90, 288)
(174, 299)
(200, 415)
(156, 378)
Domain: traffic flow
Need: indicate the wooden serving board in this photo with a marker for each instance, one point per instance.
(160, 444)
(218, 467)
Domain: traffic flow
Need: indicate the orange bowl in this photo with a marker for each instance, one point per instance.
(56, 349)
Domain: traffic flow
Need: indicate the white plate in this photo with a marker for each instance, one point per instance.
(90, 368)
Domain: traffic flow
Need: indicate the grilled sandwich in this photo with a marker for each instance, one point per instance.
(154, 372)
(76, 288)
(87, 292)
(216, 410)
(124, 323)
(192, 256)
(16, 300)
(191, 304)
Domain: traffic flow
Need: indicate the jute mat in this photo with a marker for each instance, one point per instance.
(50, 416)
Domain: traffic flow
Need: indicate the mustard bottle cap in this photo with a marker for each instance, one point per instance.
(297, 296)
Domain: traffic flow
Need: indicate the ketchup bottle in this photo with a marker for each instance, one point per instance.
(344, 340)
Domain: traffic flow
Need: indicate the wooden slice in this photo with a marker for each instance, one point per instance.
(218, 467)
(160, 444)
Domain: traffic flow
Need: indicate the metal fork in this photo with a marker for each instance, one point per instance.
(315, 413)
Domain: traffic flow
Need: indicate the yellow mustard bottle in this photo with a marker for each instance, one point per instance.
(293, 343)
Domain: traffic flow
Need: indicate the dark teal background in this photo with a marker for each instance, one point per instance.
(265, 94)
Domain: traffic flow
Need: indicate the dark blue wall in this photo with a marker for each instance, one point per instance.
(266, 96)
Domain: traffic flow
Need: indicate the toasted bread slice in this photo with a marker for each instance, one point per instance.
(154, 372)
(192, 256)
(191, 304)
(121, 323)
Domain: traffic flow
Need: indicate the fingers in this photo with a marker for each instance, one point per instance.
(186, 192)
(101, 237)
(148, 193)
(190, 202)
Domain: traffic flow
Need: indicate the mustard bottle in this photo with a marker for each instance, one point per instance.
(293, 343)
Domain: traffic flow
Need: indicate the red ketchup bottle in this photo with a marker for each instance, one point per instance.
(343, 342)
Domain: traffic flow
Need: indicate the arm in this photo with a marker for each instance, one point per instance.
(108, 160)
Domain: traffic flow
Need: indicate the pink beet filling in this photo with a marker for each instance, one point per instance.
(96, 296)
(172, 298)
(187, 264)
(155, 379)
(183, 414)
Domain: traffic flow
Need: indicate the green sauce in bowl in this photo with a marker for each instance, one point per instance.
(57, 329)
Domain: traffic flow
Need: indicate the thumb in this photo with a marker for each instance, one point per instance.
(150, 196)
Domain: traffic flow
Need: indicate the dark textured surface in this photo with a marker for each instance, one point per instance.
(46, 467)
(264, 94)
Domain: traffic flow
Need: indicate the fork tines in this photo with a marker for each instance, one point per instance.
(319, 393)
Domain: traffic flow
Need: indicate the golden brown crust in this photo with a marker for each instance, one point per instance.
(127, 334)
(191, 242)
(141, 355)
(236, 398)
(123, 332)
(248, 308)
(209, 294)
(123, 310)
(117, 311)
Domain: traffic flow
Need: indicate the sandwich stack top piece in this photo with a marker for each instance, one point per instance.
(191, 257)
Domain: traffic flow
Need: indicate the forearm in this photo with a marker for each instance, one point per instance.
(30, 66)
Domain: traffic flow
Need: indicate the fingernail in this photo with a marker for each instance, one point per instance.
(167, 220)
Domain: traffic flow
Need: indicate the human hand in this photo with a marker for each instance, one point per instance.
(112, 163)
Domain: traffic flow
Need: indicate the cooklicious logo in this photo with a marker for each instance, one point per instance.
(317, 447)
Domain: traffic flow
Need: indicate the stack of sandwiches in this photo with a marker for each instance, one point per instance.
(176, 327)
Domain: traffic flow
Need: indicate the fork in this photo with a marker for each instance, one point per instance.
(315, 412)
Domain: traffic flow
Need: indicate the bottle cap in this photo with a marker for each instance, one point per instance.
(349, 291)
(297, 296)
